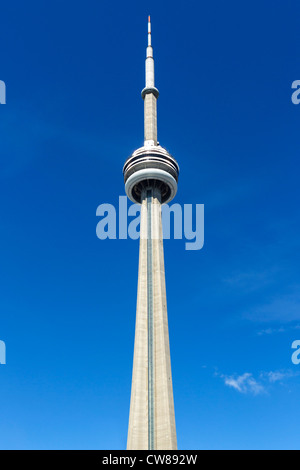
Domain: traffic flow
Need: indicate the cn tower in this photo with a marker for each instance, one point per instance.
(151, 176)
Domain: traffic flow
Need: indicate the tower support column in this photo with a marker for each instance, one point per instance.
(152, 418)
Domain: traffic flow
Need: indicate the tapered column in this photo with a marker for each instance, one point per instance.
(165, 430)
(150, 118)
(152, 419)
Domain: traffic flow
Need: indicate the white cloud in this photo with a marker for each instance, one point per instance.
(278, 376)
(270, 331)
(247, 384)
(244, 384)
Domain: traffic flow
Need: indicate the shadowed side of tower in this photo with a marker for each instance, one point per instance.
(151, 176)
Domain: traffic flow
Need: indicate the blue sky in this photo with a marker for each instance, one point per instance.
(74, 72)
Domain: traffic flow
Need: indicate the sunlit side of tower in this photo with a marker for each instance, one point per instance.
(151, 176)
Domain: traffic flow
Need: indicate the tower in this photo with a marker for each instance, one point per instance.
(151, 176)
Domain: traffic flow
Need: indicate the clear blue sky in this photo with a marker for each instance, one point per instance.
(74, 72)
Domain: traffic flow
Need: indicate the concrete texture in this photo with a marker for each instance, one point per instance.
(150, 118)
(164, 431)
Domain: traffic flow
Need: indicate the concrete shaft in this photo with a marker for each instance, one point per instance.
(152, 418)
(150, 118)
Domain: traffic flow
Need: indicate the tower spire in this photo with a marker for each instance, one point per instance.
(149, 31)
(149, 60)
(150, 95)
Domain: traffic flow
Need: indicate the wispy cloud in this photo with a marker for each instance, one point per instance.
(245, 383)
(278, 376)
(248, 384)
(283, 308)
(252, 280)
(272, 331)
